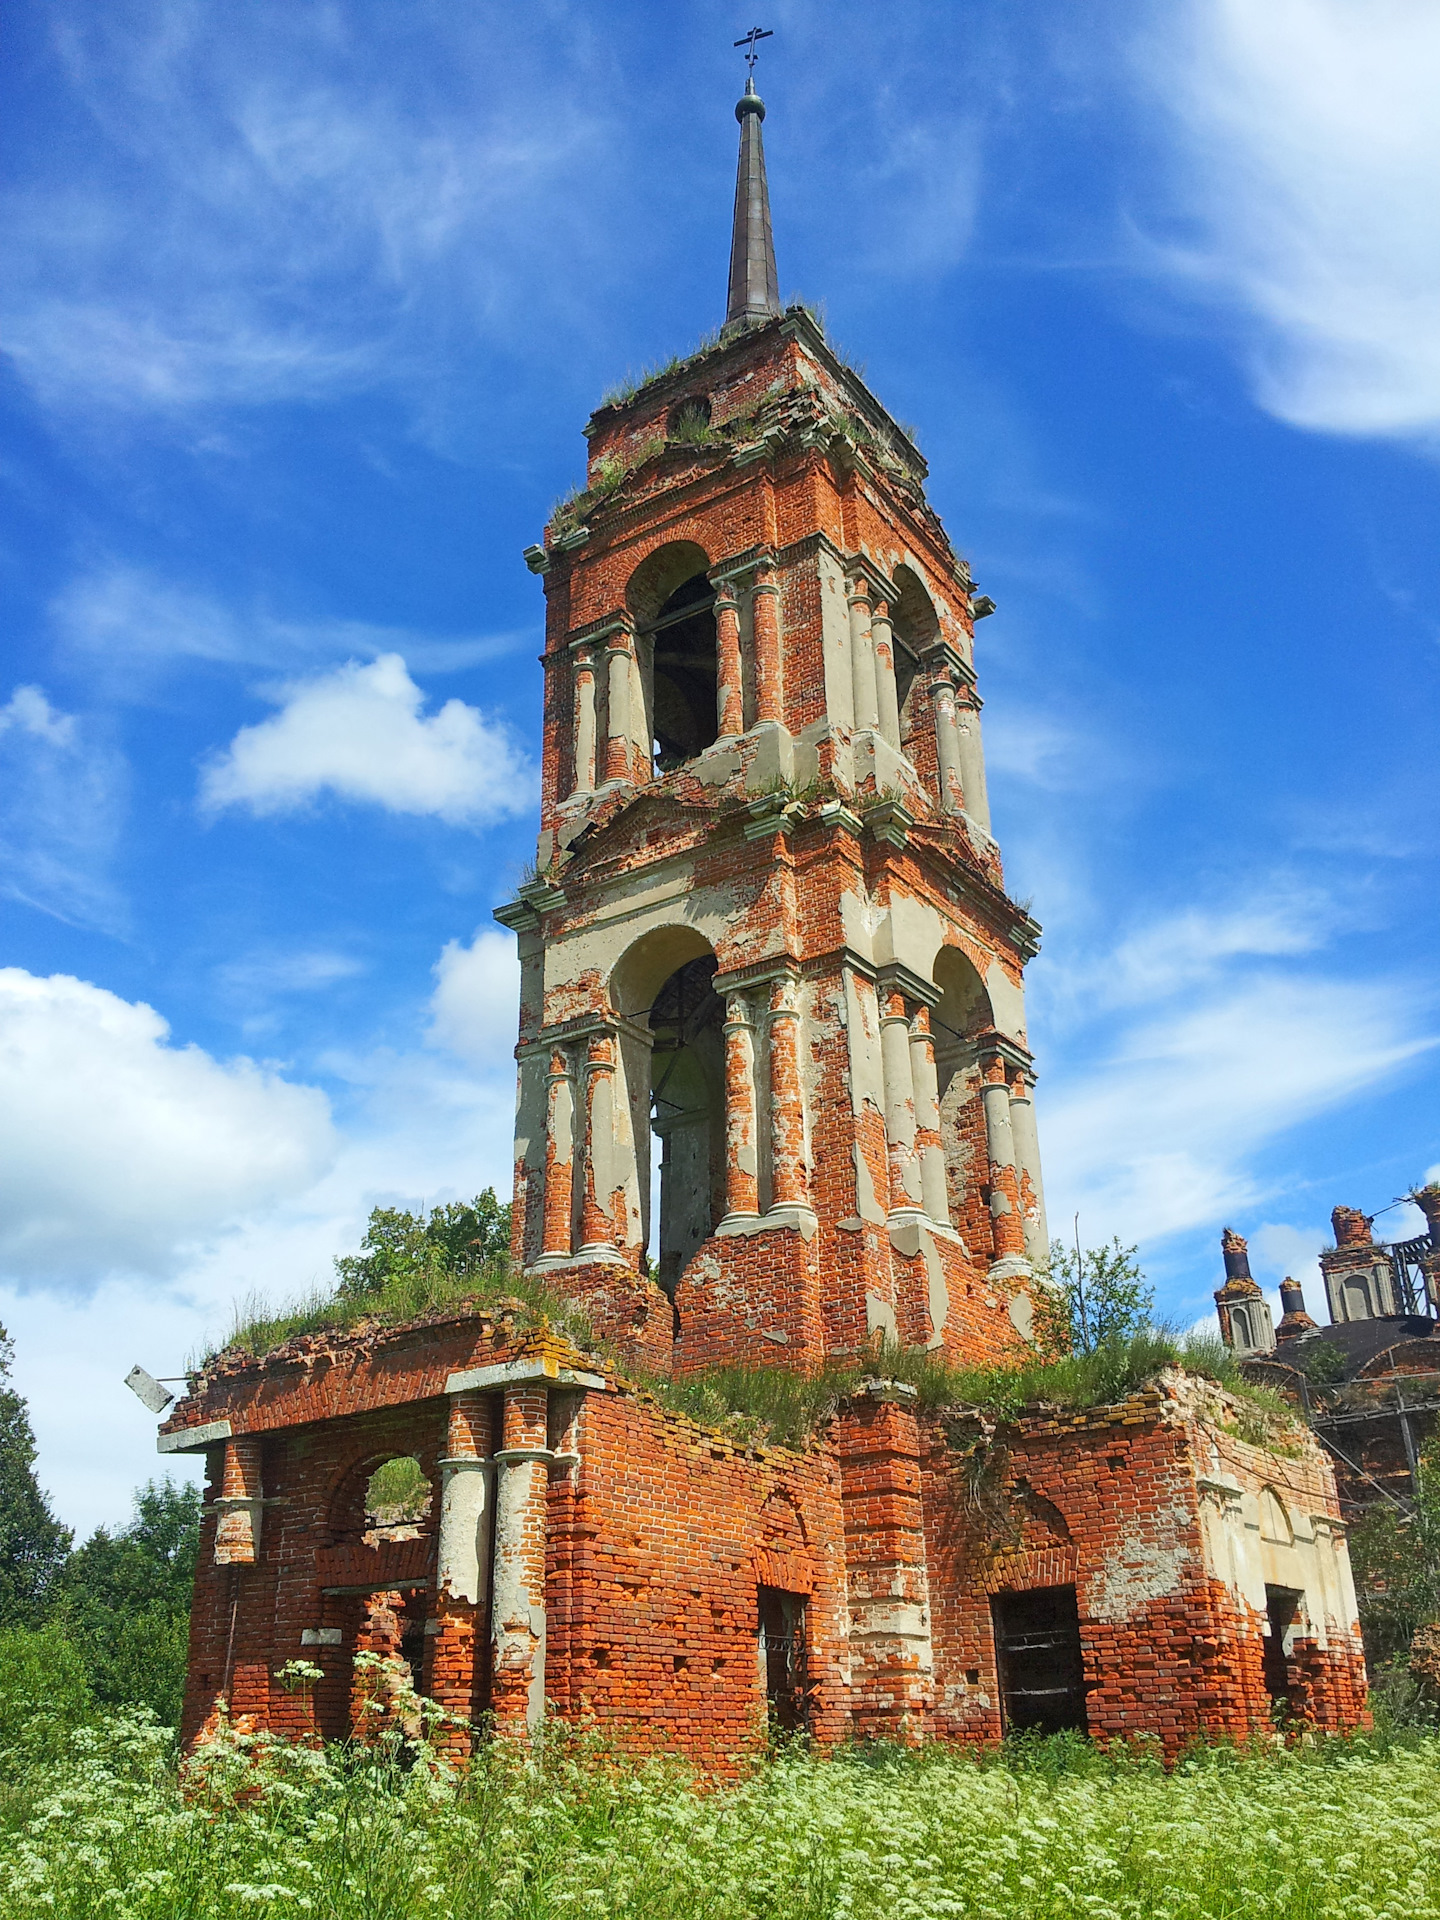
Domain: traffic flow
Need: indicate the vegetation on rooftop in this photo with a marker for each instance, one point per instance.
(411, 1263)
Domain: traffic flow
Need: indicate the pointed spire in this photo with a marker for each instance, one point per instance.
(754, 285)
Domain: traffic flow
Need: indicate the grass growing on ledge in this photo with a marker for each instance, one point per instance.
(411, 1264)
(777, 1406)
(260, 1327)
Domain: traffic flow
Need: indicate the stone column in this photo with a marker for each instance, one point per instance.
(729, 687)
(598, 1202)
(947, 744)
(765, 627)
(789, 1180)
(559, 1159)
(1005, 1217)
(1027, 1160)
(928, 1144)
(862, 658)
(462, 1572)
(886, 693)
(742, 1187)
(620, 668)
(972, 758)
(905, 1186)
(240, 1505)
(518, 1610)
(584, 671)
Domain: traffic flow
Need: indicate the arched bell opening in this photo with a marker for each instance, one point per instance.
(673, 604)
(683, 715)
(915, 627)
(962, 1013)
(687, 1114)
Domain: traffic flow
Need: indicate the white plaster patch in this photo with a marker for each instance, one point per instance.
(880, 1317)
(1141, 1571)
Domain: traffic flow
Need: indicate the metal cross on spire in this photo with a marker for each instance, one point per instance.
(754, 288)
(755, 33)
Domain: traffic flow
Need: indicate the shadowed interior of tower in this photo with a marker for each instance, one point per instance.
(682, 655)
(688, 1113)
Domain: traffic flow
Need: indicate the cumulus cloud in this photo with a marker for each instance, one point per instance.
(359, 733)
(61, 806)
(119, 1150)
(475, 1006)
(1307, 152)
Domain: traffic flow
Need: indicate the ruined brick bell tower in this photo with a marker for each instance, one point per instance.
(769, 928)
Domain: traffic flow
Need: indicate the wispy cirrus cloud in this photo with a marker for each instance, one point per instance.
(1185, 1048)
(271, 212)
(1305, 147)
(62, 805)
(359, 734)
(127, 623)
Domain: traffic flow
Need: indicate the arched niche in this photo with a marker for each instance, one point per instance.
(915, 625)
(673, 604)
(961, 1014)
(1274, 1520)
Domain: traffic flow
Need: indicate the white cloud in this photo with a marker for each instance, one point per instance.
(260, 974)
(271, 208)
(62, 801)
(1308, 152)
(120, 1151)
(358, 733)
(1194, 945)
(29, 712)
(475, 1006)
(125, 622)
(1160, 1134)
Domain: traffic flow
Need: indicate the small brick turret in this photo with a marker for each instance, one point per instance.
(1242, 1309)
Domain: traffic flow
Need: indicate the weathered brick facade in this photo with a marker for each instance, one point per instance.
(769, 929)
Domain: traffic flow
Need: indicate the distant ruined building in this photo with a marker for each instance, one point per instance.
(1369, 1383)
(769, 930)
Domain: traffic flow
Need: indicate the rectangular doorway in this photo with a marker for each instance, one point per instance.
(1037, 1649)
(1282, 1615)
(782, 1658)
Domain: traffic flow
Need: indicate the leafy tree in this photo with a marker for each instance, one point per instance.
(1323, 1361)
(1395, 1558)
(124, 1601)
(33, 1544)
(463, 1238)
(1097, 1296)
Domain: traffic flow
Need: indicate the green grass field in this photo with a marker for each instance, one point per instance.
(1349, 1830)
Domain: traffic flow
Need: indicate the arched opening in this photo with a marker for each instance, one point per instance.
(962, 1013)
(688, 421)
(397, 1500)
(376, 1578)
(687, 1113)
(915, 626)
(673, 603)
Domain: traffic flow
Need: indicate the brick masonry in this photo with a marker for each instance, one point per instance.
(792, 946)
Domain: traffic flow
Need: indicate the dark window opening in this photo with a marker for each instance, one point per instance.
(1282, 1610)
(1042, 1671)
(682, 641)
(687, 1081)
(689, 419)
(783, 1663)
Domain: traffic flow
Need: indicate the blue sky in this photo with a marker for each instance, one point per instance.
(303, 313)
